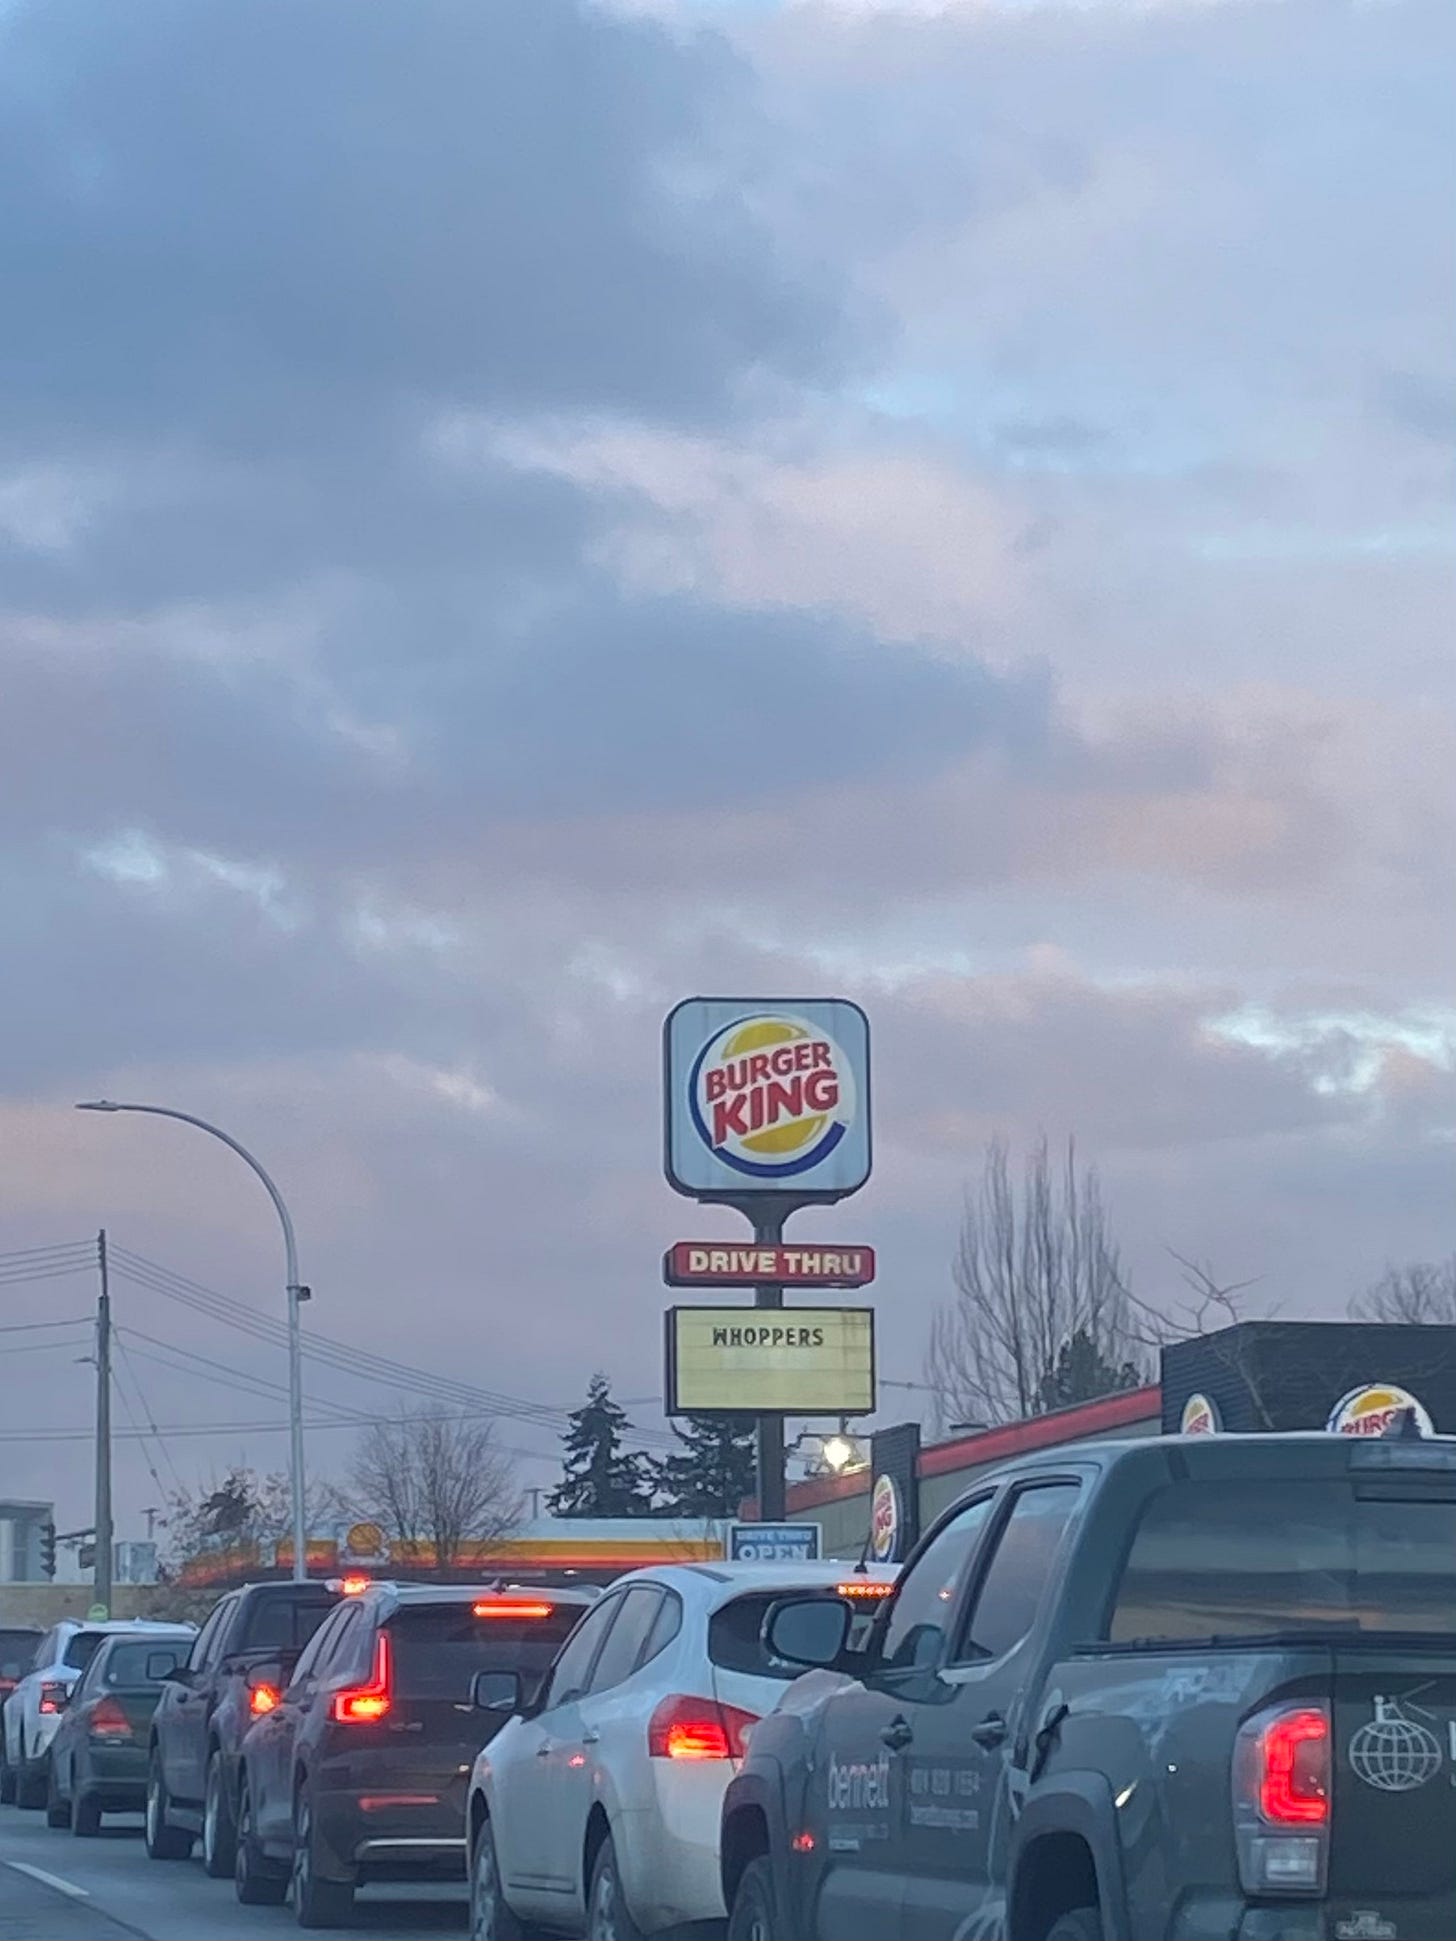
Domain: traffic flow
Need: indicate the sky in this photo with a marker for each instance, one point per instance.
(513, 514)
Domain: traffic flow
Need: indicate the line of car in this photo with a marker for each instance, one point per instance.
(565, 1750)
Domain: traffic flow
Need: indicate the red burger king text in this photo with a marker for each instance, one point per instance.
(764, 1088)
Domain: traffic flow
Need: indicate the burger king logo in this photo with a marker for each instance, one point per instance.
(884, 1520)
(1370, 1411)
(771, 1096)
(1200, 1417)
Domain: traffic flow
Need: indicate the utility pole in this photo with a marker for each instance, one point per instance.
(103, 1433)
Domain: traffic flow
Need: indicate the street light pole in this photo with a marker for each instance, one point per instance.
(296, 1294)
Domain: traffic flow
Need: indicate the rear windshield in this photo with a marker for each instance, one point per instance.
(1238, 1559)
(17, 1651)
(82, 1649)
(127, 1665)
(284, 1623)
(438, 1648)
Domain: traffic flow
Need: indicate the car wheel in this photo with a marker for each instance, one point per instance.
(492, 1918)
(30, 1782)
(219, 1834)
(58, 1811)
(85, 1816)
(754, 1915)
(608, 1917)
(259, 1882)
(317, 1903)
(1078, 1924)
(163, 1840)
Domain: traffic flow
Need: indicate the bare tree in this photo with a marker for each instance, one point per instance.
(435, 1483)
(1213, 1312)
(1036, 1270)
(1422, 1293)
(242, 1514)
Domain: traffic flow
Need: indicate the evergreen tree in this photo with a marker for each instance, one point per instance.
(1082, 1373)
(599, 1477)
(715, 1470)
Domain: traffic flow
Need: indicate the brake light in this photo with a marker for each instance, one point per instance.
(862, 1589)
(698, 1728)
(52, 1696)
(506, 1607)
(108, 1721)
(1294, 1769)
(263, 1698)
(354, 1584)
(364, 1704)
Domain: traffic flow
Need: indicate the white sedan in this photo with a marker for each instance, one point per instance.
(596, 1809)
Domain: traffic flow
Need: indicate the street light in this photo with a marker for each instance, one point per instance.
(296, 1294)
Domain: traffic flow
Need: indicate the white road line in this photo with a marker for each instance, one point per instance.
(50, 1880)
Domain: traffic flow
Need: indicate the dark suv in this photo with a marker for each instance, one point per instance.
(360, 1772)
(239, 1663)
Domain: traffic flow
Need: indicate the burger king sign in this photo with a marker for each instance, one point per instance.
(1372, 1410)
(767, 1099)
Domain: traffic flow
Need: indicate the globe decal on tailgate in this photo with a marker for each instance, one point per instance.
(771, 1095)
(1393, 1753)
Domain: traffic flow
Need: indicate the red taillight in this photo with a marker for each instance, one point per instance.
(263, 1698)
(1294, 1769)
(698, 1728)
(862, 1589)
(52, 1696)
(364, 1704)
(108, 1721)
(355, 1584)
(507, 1607)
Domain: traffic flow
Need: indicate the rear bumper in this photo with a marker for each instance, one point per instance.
(396, 1843)
(669, 1854)
(114, 1769)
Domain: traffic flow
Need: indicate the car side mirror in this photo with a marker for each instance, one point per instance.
(178, 1675)
(497, 1691)
(160, 1666)
(808, 1631)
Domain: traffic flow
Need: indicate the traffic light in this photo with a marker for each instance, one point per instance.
(48, 1549)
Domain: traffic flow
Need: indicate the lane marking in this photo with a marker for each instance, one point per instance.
(67, 1887)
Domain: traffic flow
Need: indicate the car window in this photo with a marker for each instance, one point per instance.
(321, 1643)
(1021, 1566)
(285, 1623)
(619, 1655)
(90, 1678)
(203, 1641)
(135, 1664)
(665, 1628)
(572, 1670)
(217, 1644)
(17, 1652)
(1246, 1558)
(924, 1601)
(438, 1648)
(349, 1645)
(82, 1648)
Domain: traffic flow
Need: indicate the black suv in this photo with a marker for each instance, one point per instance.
(360, 1772)
(240, 1661)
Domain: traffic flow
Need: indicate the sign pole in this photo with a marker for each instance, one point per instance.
(768, 1231)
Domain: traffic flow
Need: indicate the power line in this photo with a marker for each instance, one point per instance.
(253, 1428)
(161, 1445)
(85, 1247)
(33, 1327)
(340, 1355)
(42, 1347)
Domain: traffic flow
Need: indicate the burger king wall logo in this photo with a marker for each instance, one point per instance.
(884, 1520)
(1370, 1411)
(1200, 1417)
(767, 1099)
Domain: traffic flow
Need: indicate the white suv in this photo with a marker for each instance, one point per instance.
(33, 1710)
(595, 1810)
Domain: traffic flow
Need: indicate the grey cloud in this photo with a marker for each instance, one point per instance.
(249, 223)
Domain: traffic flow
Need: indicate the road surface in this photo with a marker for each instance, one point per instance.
(57, 1888)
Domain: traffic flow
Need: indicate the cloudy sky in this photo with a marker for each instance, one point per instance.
(512, 513)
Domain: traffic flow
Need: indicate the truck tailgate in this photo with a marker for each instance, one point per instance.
(1393, 1822)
